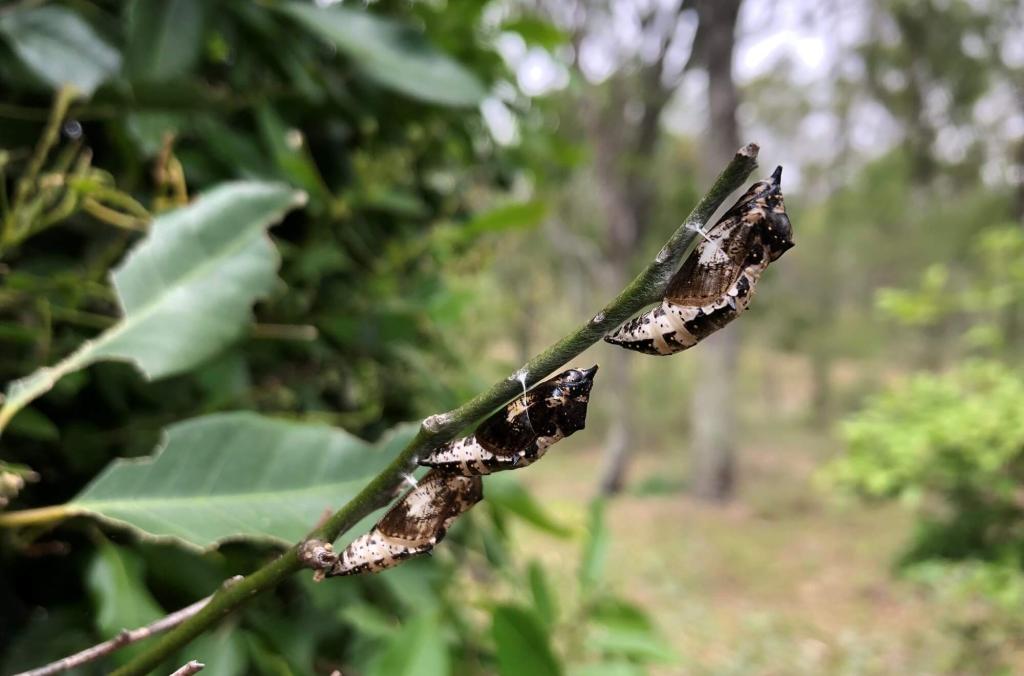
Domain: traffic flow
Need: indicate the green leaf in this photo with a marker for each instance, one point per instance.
(34, 425)
(524, 648)
(535, 31)
(148, 129)
(517, 216)
(393, 54)
(623, 629)
(610, 668)
(186, 289)
(368, 620)
(417, 648)
(59, 47)
(238, 152)
(223, 651)
(291, 153)
(505, 492)
(544, 600)
(165, 39)
(595, 549)
(237, 476)
(119, 594)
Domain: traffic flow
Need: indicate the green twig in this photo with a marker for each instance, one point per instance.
(65, 95)
(648, 287)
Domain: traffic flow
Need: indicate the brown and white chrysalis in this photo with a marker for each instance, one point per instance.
(521, 433)
(515, 436)
(717, 281)
(413, 526)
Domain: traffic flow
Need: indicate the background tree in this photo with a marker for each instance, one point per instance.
(713, 409)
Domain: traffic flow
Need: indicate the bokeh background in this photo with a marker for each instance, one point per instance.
(834, 484)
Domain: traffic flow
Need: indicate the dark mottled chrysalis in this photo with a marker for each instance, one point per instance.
(717, 281)
(520, 434)
(413, 526)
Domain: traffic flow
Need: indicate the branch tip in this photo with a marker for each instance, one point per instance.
(750, 150)
(319, 556)
(193, 667)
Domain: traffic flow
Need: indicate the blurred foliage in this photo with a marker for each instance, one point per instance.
(982, 294)
(951, 445)
(981, 605)
(429, 258)
(371, 112)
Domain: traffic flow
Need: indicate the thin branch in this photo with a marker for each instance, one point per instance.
(647, 288)
(193, 667)
(298, 332)
(127, 637)
(65, 96)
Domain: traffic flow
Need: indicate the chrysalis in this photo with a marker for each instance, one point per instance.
(521, 433)
(413, 526)
(717, 281)
(517, 435)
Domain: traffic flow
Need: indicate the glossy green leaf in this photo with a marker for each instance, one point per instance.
(523, 644)
(418, 648)
(504, 491)
(237, 476)
(393, 54)
(186, 289)
(116, 584)
(165, 39)
(59, 47)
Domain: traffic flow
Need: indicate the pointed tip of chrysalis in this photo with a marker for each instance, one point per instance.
(777, 175)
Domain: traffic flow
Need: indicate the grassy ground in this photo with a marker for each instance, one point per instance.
(782, 581)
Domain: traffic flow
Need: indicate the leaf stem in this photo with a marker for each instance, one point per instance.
(35, 517)
(648, 287)
(65, 95)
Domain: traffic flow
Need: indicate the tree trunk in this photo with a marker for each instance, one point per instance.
(714, 402)
(619, 441)
(624, 147)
